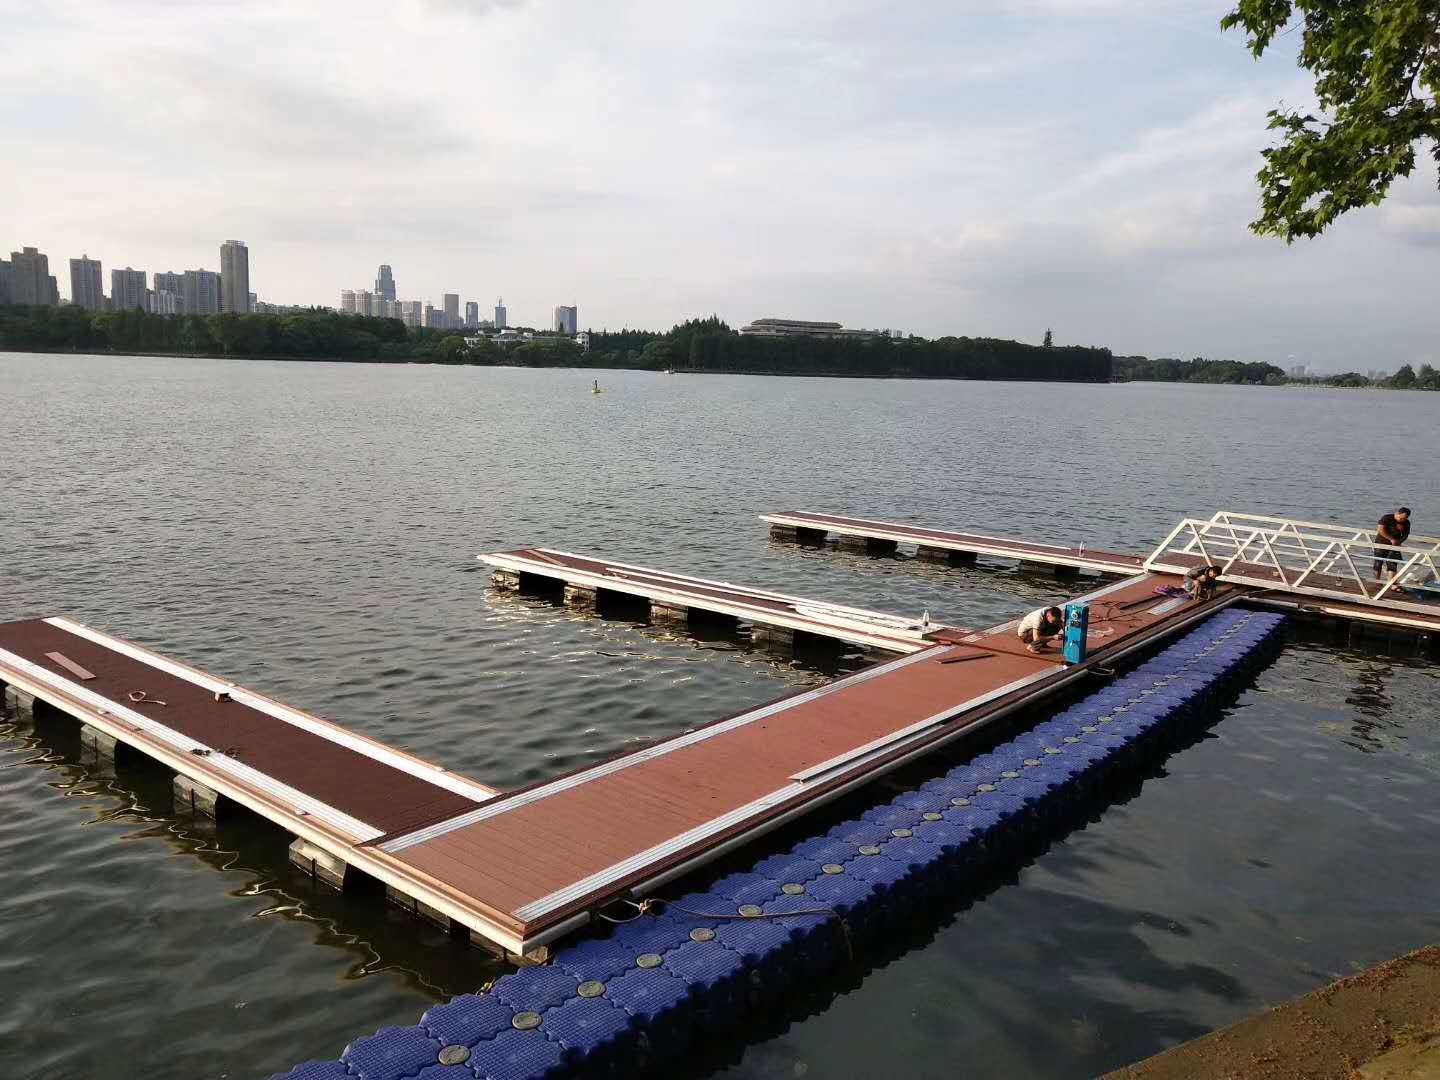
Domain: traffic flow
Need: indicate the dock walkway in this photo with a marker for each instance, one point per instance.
(674, 598)
(943, 544)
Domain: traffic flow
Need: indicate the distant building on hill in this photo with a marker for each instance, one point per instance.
(472, 313)
(385, 283)
(128, 291)
(565, 320)
(30, 279)
(234, 276)
(500, 322)
(770, 327)
(200, 292)
(85, 287)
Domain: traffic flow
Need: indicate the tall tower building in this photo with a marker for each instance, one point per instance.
(364, 302)
(234, 276)
(452, 309)
(347, 301)
(385, 283)
(200, 292)
(30, 280)
(85, 287)
(127, 290)
(472, 313)
(500, 322)
(565, 320)
(6, 272)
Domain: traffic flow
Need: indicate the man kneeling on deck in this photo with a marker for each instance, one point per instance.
(1040, 627)
(1200, 582)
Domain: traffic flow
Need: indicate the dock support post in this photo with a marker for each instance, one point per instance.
(318, 863)
(779, 640)
(858, 544)
(945, 556)
(784, 534)
(18, 704)
(1066, 571)
(676, 618)
(580, 598)
(94, 740)
(509, 580)
(418, 908)
(536, 956)
(193, 797)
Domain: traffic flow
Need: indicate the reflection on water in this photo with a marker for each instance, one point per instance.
(310, 530)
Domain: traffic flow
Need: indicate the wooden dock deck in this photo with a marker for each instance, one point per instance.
(675, 598)
(543, 855)
(945, 545)
(524, 868)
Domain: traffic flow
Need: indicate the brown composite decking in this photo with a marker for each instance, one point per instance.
(539, 855)
(892, 632)
(1109, 562)
(363, 787)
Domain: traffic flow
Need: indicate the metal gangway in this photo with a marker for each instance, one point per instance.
(1307, 557)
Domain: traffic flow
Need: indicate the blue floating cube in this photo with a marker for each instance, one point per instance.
(392, 1053)
(588, 1028)
(535, 988)
(596, 958)
(468, 1019)
(518, 1055)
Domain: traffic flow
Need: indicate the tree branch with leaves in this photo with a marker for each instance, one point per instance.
(1377, 79)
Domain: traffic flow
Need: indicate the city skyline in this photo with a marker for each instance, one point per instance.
(876, 171)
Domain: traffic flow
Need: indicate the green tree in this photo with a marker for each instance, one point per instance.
(1049, 339)
(1404, 379)
(1377, 77)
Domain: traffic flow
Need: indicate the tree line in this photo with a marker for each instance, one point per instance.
(710, 345)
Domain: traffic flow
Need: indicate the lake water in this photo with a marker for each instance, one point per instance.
(310, 530)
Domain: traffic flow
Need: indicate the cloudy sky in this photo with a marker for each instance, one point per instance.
(937, 166)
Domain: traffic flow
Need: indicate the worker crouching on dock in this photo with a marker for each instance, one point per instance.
(1041, 627)
(1200, 582)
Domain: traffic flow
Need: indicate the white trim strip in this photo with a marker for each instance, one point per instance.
(216, 760)
(555, 787)
(850, 756)
(431, 773)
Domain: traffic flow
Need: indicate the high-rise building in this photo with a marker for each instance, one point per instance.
(347, 301)
(127, 290)
(5, 282)
(200, 290)
(472, 313)
(500, 322)
(234, 276)
(85, 288)
(364, 302)
(565, 320)
(385, 283)
(165, 302)
(412, 311)
(30, 280)
(452, 309)
(253, 300)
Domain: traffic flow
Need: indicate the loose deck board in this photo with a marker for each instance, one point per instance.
(1105, 562)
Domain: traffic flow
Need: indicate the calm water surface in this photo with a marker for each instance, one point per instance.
(309, 530)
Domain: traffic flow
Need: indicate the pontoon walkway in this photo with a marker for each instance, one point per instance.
(943, 544)
(775, 617)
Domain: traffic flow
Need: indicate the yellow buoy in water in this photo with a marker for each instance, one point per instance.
(596, 388)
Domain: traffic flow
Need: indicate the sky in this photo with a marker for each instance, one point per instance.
(938, 167)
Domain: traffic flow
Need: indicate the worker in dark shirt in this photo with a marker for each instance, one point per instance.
(1393, 530)
(1201, 581)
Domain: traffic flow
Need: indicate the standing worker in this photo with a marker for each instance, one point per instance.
(1201, 581)
(1040, 627)
(1393, 530)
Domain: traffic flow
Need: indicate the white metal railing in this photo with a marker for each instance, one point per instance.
(1307, 557)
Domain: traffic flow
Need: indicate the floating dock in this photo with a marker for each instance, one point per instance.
(943, 545)
(695, 967)
(675, 599)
